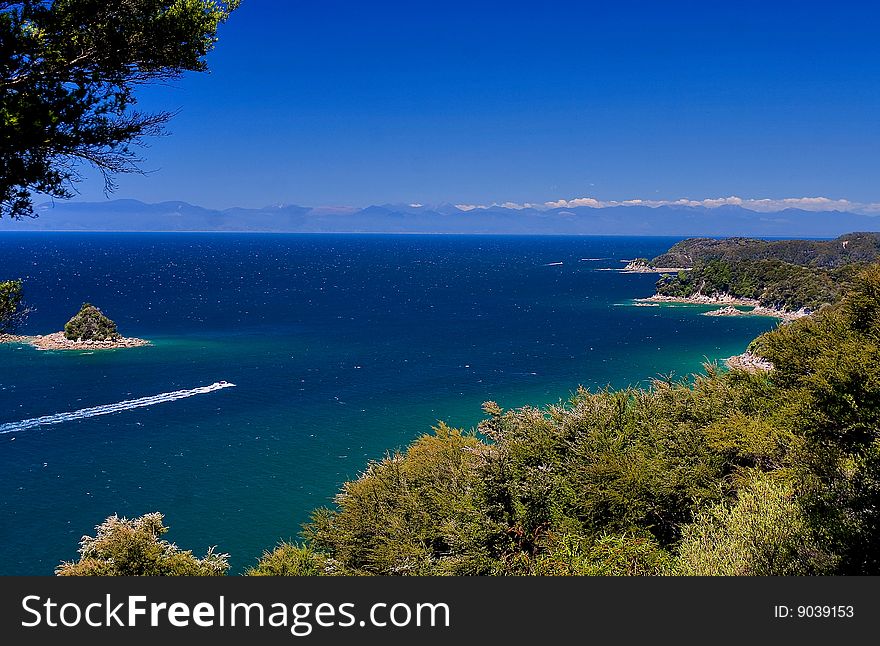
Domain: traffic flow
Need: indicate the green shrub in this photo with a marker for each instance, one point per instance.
(10, 302)
(829, 371)
(632, 465)
(123, 547)
(607, 555)
(288, 559)
(410, 513)
(764, 532)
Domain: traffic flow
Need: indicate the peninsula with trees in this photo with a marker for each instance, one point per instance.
(784, 278)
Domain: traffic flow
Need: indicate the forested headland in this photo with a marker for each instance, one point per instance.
(785, 275)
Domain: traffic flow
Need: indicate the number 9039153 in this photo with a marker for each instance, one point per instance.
(814, 612)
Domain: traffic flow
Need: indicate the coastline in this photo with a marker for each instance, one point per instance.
(701, 299)
(57, 341)
(727, 302)
(644, 269)
(746, 361)
(633, 267)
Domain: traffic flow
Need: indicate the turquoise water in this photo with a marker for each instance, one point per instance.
(341, 348)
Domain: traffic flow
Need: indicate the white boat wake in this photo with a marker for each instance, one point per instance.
(108, 409)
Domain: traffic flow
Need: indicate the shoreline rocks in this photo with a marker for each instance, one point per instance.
(725, 311)
(728, 302)
(785, 315)
(14, 338)
(641, 267)
(57, 341)
(748, 362)
(702, 299)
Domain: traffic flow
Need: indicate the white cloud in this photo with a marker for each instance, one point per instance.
(504, 205)
(570, 204)
(761, 205)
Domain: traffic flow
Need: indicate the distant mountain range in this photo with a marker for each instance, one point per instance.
(728, 220)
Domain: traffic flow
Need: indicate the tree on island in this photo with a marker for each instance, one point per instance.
(123, 547)
(68, 74)
(90, 324)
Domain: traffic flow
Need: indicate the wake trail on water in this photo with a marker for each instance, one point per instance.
(109, 409)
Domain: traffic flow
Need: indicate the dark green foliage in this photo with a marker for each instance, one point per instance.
(411, 513)
(68, 74)
(10, 302)
(773, 283)
(90, 324)
(607, 555)
(633, 460)
(847, 249)
(288, 559)
(783, 274)
(123, 547)
(829, 368)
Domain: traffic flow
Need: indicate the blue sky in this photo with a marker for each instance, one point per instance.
(355, 103)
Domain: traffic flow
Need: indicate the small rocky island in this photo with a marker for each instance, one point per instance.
(725, 311)
(89, 329)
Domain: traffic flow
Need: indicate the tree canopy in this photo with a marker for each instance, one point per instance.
(10, 302)
(134, 547)
(772, 282)
(68, 74)
(857, 247)
(90, 324)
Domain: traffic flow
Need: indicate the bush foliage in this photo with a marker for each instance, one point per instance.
(10, 303)
(848, 249)
(772, 283)
(134, 547)
(288, 559)
(763, 532)
(90, 324)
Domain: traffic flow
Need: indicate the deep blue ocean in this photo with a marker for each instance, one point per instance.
(342, 348)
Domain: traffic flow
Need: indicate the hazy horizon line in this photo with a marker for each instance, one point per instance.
(759, 205)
